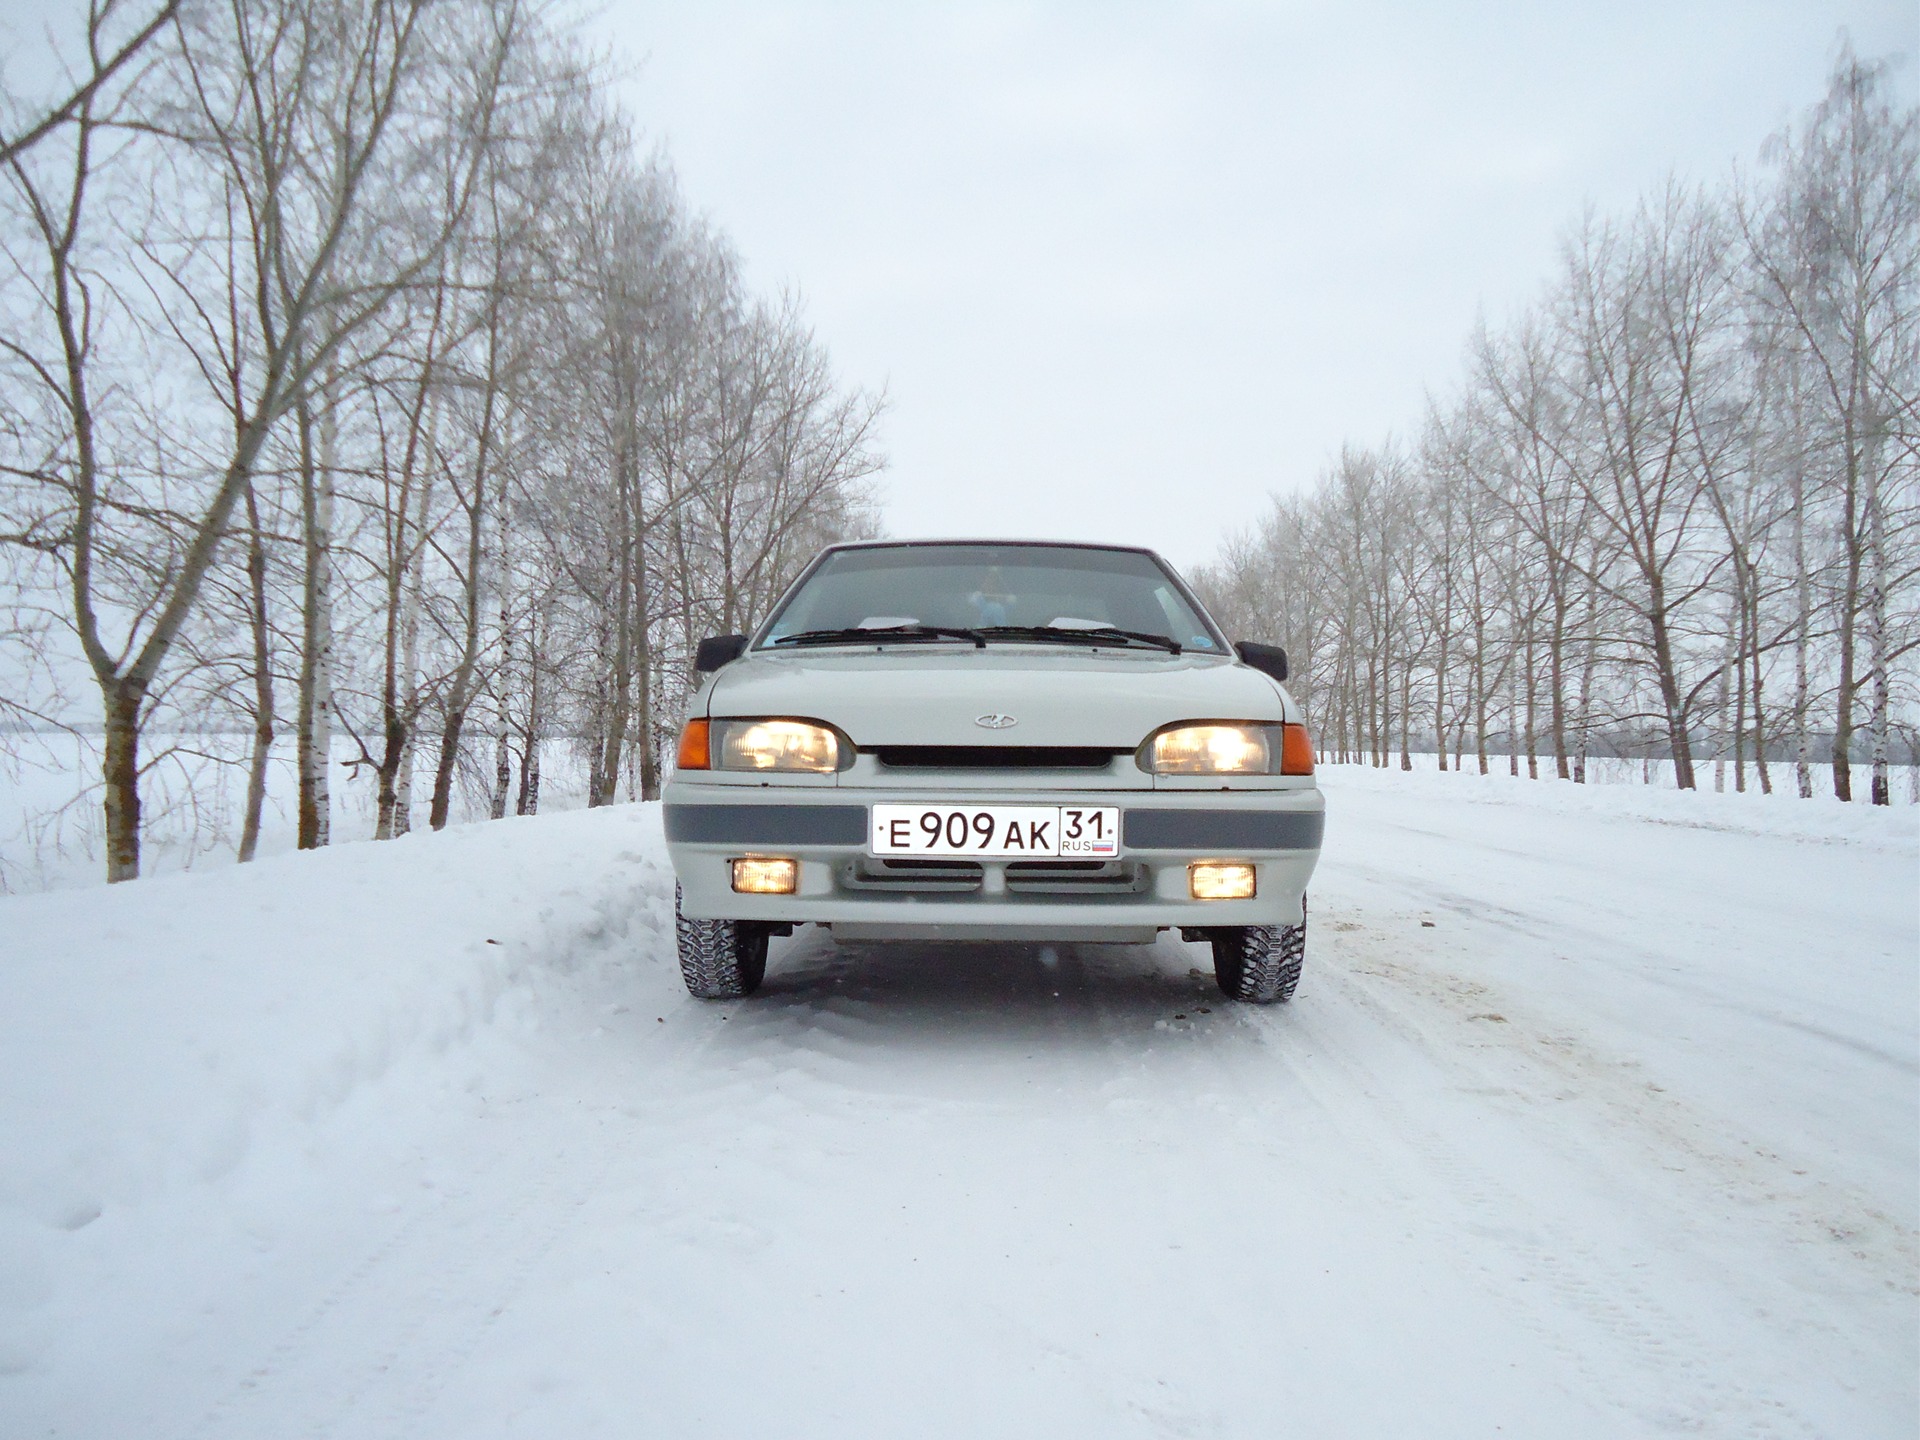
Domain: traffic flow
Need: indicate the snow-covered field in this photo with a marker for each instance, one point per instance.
(193, 798)
(1597, 1114)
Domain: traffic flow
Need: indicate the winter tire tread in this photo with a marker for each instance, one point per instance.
(720, 959)
(1260, 964)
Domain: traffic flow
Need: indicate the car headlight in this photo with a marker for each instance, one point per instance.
(1228, 748)
(768, 746)
(1210, 750)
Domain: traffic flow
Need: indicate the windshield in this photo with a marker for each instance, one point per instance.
(982, 587)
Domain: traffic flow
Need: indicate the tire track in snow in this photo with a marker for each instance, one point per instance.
(1666, 1126)
(1584, 1282)
(848, 1031)
(1655, 969)
(373, 1354)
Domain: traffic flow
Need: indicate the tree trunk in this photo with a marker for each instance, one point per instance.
(402, 694)
(460, 688)
(1880, 789)
(1533, 691)
(1723, 703)
(402, 811)
(1849, 609)
(443, 768)
(120, 773)
(1377, 717)
(1759, 698)
(1480, 704)
(649, 756)
(527, 802)
(1803, 625)
(1589, 660)
(1342, 703)
(262, 683)
(315, 722)
(1677, 739)
(605, 785)
(604, 777)
(1406, 716)
(1557, 681)
(502, 772)
(1740, 702)
(1513, 714)
(503, 731)
(396, 755)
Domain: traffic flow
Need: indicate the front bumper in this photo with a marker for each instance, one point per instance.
(1132, 898)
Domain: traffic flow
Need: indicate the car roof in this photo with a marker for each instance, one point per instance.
(990, 540)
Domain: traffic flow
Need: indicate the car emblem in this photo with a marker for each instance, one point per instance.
(996, 722)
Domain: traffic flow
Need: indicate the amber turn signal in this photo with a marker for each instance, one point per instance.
(693, 747)
(1220, 880)
(1296, 750)
(765, 875)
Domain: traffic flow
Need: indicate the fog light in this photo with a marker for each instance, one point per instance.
(1217, 880)
(759, 875)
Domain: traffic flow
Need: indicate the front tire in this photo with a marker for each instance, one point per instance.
(1259, 964)
(720, 959)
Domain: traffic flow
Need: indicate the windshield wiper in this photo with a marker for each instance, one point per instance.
(855, 634)
(1078, 635)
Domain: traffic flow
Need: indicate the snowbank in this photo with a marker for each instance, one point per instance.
(154, 1036)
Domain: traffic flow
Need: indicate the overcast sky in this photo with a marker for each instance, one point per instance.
(1123, 269)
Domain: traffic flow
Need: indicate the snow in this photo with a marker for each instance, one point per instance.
(425, 1138)
(193, 798)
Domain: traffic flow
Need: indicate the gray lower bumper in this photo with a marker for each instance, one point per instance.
(1277, 831)
(1211, 829)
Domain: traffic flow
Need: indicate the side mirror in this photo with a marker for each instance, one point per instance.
(718, 650)
(1267, 659)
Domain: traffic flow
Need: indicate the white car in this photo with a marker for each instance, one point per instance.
(992, 740)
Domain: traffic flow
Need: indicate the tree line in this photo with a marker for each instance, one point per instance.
(1672, 507)
(361, 378)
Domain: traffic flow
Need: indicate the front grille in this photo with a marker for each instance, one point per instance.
(992, 757)
(944, 877)
(883, 875)
(1075, 877)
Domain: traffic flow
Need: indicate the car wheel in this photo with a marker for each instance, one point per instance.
(1259, 964)
(720, 959)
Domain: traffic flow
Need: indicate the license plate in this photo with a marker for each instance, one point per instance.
(997, 832)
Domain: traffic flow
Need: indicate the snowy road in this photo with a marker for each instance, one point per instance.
(1623, 1142)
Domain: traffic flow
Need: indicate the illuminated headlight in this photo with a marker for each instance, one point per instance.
(1213, 750)
(774, 745)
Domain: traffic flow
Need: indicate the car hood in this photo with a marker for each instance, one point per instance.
(914, 695)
